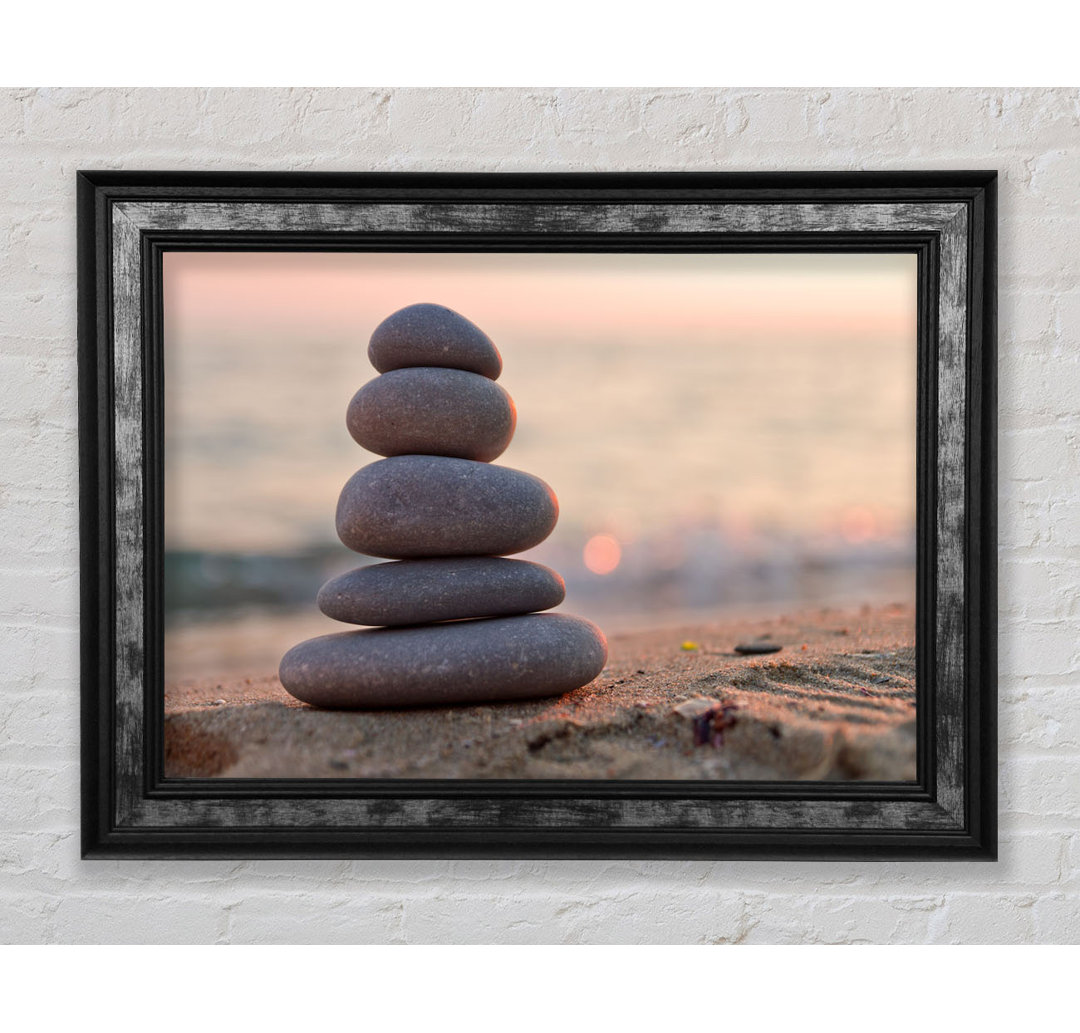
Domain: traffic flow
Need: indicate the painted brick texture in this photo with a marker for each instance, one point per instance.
(1032, 136)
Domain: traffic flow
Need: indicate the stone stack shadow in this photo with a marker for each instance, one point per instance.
(452, 620)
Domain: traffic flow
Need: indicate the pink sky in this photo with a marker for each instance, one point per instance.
(706, 296)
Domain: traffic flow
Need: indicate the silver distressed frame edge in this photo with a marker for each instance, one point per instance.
(134, 809)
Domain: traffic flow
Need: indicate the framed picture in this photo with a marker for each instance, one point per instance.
(576, 515)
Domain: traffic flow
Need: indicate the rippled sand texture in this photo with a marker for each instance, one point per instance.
(837, 702)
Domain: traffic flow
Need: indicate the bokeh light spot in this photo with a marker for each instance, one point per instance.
(602, 554)
(858, 525)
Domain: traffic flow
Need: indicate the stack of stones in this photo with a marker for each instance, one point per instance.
(452, 620)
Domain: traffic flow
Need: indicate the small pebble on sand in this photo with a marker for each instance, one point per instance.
(694, 708)
(756, 648)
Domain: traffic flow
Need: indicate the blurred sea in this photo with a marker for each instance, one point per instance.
(769, 473)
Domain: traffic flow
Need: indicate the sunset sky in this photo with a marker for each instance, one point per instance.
(696, 296)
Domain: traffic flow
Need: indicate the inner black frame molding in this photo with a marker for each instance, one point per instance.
(127, 220)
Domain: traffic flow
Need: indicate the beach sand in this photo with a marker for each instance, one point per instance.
(837, 702)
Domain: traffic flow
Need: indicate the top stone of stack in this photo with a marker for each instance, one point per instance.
(433, 335)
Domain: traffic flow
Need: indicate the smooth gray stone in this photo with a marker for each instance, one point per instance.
(422, 591)
(433, 335)
(411, 506)
(540, 654)
(432, 411)
(756, 648)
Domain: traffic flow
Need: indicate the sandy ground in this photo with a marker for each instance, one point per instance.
(837, 702)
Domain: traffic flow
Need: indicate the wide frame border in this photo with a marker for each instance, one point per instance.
(127, 220)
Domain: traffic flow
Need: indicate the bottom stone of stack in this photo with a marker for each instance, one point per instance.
(462, 662)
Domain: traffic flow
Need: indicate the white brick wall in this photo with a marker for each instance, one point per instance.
(1032, 894)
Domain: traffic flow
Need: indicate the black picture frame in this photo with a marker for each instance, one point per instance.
(127, 220)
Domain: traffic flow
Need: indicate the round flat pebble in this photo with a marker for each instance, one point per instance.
(464, 662)
(422, 591)
(433, 411)
(433, 335)
(755, 648)
(418, 505)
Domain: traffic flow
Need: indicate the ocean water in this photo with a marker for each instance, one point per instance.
(802, 438)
